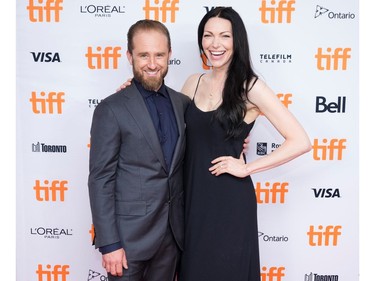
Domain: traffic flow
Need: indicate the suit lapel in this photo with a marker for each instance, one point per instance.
(138, 109)
(179, 113)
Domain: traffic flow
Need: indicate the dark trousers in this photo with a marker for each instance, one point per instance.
(161, 267)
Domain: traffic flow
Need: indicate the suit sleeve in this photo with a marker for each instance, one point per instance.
(104, 150)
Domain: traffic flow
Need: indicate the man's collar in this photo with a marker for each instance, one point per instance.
(162, 90)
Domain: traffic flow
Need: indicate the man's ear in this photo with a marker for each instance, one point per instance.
(170, 54)
(130, 57)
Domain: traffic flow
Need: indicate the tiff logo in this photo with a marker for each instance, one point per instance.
(270, 194)
(273, 274)
(327, 151)
(58, 273)
(324, 61)
(50, 192)
(167, 6)
(324, 237)
(42, 105)
(285, 99)
(45, 12)
(276, 11)
(92, 232)
(103, 58)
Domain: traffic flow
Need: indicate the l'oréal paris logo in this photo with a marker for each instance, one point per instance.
(102, 11)
(51, 232)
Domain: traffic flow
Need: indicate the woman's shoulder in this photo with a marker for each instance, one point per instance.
(191, 84)
(194, 78)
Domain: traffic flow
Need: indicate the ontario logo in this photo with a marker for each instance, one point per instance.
(322, 11)
(272, 238)
(94, 275)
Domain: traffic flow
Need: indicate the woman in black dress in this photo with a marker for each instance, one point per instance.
(221, 238)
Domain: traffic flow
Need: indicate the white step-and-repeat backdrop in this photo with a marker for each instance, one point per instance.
(71, 54)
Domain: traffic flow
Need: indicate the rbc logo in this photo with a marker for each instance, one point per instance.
(261, 148)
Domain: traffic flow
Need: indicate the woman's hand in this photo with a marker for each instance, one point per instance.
(125, 84)
(230, 165)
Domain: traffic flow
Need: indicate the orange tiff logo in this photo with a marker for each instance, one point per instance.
(272, 274)
(92, 232)
(324, 236)
(103, 58)
(57, 273)
(167, 7)
(271, 194)
(53, 191)
(328, 150)
(44, 105)
(44, 12)
(277, 11)
(286, 99)
(333, 59)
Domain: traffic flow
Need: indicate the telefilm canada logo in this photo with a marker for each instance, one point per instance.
(321, 277)
(321, 11)
(94, 102)
(278, 58)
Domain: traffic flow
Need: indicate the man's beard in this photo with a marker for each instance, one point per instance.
(150, 83)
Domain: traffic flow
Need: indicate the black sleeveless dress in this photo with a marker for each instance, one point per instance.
(221, 233)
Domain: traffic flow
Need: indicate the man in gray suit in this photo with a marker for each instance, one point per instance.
(136, 165)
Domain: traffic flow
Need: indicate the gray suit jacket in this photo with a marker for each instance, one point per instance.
(132, 195)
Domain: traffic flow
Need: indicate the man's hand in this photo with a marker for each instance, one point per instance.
(124, 85)
(113, 262)
(246, 144)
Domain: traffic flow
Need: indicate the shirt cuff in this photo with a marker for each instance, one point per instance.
(110, 248)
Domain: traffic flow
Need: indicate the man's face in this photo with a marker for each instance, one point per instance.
(150, 58)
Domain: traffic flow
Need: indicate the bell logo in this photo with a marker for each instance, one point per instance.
(45, 12)
(277, 11)
(321, 105)
(57, 273)
(50, 191)
(324, 237)
(336, 57)
(103, 59)
(42, 105)
(272, 274)
(267, 194)
(331, 151)
(167, 6)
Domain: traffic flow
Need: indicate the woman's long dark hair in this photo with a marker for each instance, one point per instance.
(232, 111)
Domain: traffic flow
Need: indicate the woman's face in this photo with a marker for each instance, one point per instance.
(217, 42)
